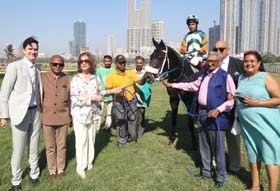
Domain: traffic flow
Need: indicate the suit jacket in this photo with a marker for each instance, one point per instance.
(16, 91)
(235, 69)
(56, 108)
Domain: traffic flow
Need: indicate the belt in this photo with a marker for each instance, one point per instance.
(32, 107)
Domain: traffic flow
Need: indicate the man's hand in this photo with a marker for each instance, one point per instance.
(166, 84)
(213, 113)
(4, 123)
(97, 98)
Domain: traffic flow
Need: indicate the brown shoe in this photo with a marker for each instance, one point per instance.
(52, 177)
(61, 174)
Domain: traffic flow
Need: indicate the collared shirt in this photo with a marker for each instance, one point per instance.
(203, 90)
(121, 80)
(32, 78)
(102, 73)
(140, 74)
(225, 64)
(56, 105)
(82, 107)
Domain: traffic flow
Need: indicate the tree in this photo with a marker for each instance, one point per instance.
(9, 51)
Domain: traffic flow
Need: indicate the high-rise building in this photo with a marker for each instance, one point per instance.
(139, 26)
(247, 25)
(214, 36)
(111, 40)
(158, 30)
(267, 26)
(79, 41)
(228, 23)
(278, 43)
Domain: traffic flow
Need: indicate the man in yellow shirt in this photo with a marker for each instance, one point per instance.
(125, 108)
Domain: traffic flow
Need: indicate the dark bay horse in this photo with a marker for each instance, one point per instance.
(165, 62)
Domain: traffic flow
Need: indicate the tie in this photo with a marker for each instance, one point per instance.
(37, 90)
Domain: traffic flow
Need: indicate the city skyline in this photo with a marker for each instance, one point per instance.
(52, 21)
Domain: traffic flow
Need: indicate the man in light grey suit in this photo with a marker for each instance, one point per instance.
(21, 101)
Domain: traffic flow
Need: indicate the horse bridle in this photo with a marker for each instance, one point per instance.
(159, 71)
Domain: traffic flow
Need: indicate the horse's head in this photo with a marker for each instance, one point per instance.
(158, 60)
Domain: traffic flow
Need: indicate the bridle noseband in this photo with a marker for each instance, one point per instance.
(158, 72)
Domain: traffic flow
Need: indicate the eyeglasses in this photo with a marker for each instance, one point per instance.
(139, 62)
(61, 65)
(222, 49)
(84, 61)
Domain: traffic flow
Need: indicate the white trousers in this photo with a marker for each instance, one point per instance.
(26, 133)
(84, 139)
(108, 115)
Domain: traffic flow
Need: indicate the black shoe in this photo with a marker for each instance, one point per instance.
(202, 176)
(35, 182)
(233, 173)
(16, 188)
(219, 185)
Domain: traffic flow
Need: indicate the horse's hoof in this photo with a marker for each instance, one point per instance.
(171, 140)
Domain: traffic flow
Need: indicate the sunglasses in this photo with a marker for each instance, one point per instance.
(61, 65)
(212, 61)
(219, 49)
(84, 61)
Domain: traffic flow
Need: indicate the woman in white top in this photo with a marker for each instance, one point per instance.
(85, 109)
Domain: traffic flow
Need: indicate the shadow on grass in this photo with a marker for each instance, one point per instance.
(183, 135)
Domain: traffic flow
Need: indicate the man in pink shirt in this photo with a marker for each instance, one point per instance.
(214, 87)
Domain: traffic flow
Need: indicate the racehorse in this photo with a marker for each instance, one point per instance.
(165, 62)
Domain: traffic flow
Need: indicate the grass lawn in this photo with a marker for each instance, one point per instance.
(149, 165)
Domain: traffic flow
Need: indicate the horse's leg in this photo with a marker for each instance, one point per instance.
(174, 102)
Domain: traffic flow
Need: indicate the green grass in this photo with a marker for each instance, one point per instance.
(149, 165)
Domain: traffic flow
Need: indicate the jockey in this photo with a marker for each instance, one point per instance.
(195, 43)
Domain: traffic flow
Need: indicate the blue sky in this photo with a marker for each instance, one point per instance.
(51, 21)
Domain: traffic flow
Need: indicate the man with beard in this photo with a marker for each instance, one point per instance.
(144, 92)
(103, 72)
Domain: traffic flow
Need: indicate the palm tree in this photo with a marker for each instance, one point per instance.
(9, 51)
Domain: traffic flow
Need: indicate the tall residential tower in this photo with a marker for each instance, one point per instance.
(79, 41)
(267, 26)
(247, 25)
(139, 26)
(158, 30)
(228, 23)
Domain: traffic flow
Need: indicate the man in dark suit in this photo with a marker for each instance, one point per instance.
(234, 67)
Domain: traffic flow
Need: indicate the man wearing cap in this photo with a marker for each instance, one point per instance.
(195, 42)
(125, 108)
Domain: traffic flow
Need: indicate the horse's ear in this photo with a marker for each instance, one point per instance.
(161, 43)
(155, 42)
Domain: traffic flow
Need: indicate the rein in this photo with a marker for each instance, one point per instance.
(125, 103)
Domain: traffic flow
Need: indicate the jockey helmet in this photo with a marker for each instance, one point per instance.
(192, 18)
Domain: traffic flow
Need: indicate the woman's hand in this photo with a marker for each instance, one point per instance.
(248, 101)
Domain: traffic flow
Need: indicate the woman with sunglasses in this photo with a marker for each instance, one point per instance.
(259, 119)
(85, 109)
